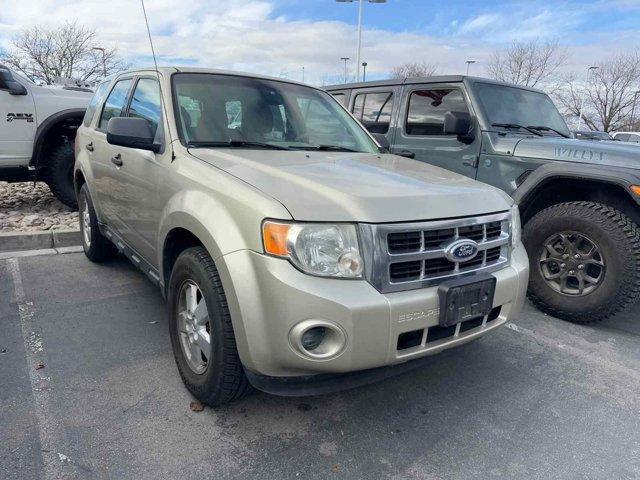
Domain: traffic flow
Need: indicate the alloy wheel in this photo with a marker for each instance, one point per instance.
(85, 219)
(194, 327)
(572, 264)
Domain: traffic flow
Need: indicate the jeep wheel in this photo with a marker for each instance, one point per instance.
(585, 261)
(96, 246)
(59, 175)
(201, 332)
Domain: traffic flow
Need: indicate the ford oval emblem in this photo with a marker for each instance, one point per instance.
(461, 250)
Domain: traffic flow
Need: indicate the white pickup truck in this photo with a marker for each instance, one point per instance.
(36, 138)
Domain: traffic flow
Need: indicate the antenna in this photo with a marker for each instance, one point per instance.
(155, 63)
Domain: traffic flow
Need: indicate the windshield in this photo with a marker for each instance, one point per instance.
(516, 106)
(232, 111)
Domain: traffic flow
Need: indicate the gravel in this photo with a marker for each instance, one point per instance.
(25, 208)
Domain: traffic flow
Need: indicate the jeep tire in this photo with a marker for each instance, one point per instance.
(59, 173)
(585, 261)
(96, 246)
(201, 332)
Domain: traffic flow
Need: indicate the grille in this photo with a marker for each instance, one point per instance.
(413, 255)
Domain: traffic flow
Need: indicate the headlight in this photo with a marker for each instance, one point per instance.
(326, 250)
(516, 229)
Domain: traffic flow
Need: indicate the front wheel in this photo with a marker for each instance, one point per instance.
(585, 261)
(201, 332)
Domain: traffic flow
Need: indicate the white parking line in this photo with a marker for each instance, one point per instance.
(50, 439)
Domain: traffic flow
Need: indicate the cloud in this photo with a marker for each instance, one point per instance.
(248, 35)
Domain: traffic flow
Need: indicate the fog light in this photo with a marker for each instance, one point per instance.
(313, 337)
(317, 339)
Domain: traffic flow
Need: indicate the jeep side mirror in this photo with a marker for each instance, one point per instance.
(9, 84)
(383, 141)
(131, 132)
(459, 124)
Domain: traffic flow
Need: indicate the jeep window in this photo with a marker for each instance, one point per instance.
(517, 106)
(145, 102)
(96, 100)
(425, 115)
(374, 110)
(233, 111)
(115, 103)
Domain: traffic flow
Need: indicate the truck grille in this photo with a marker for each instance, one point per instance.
(412, 255)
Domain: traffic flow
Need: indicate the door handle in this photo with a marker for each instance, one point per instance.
(117, 160)
(89, 146)
(406, 154)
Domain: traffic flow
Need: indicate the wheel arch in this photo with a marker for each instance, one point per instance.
(64, 123)
(552, 184)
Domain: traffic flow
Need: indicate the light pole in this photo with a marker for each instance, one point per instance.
(104, 64)
(302, 74)
(633, 109)
(469, 62)
(346, 59)
(360, 5)
(584, 94)
(364, 72)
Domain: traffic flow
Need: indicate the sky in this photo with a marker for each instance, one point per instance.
(280, 37)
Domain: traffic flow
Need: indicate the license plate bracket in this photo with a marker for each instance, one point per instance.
(464, 299)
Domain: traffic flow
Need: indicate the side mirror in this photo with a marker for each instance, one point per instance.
(383, 141)
(459, 124)
(131, 132)
(9, 84)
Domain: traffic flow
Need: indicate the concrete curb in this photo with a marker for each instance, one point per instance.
(13, 242)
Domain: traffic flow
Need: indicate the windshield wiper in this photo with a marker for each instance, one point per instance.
(335, 148)
(515, 125)
(237, 144)
(549, 129)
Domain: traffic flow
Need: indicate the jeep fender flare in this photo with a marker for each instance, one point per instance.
(45, 127)
(536, 180)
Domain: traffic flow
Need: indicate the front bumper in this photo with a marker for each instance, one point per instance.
(267, 297)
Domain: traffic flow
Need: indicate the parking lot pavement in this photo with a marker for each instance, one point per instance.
(89, 390)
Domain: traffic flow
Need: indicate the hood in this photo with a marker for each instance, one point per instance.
(616, 154)
(348, 187)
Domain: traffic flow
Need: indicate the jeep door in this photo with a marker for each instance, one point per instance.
(376, 107)
(419, 131)
(17, 113)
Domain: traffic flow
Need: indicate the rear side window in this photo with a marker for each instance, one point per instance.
(145, 102)
(634, 138)
(374, 110)
(115, 104)
(426, 111)
(96, 100)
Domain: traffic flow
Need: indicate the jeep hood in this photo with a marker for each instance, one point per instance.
(322, 186)
(569, 149)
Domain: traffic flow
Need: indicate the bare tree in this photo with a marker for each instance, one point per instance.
(43, 53)
(527, 63)
(609, 93)
(416, 69)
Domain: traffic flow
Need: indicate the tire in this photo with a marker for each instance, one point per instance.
(97, 247)
(218, 377)
(615, 262)
(59, 175)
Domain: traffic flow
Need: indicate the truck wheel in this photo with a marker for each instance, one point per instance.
(585, 261)
(201, 332)
(97, 247)
(59, 174)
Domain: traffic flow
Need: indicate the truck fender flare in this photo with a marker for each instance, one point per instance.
(620, 176)
(46, 126)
